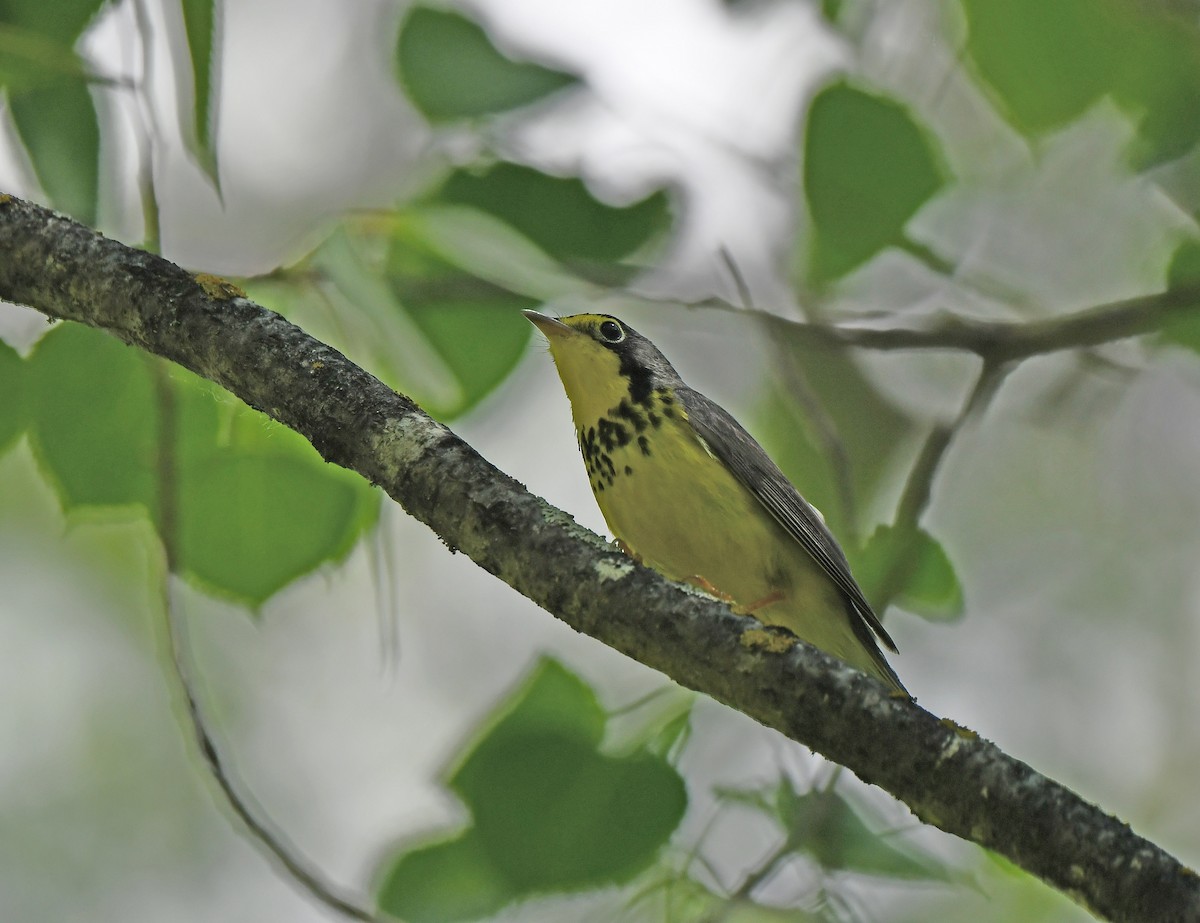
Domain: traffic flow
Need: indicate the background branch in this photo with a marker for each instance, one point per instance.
(998, 342)
(948, 776)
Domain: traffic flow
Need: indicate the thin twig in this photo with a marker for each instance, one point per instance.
(919, 486)
(276, 845)
(1005, 341)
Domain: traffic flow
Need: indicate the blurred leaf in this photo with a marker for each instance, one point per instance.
(868, 167)
(58, 126)
(61, 20)
(29, 58)
(673, 734)
(557, 815)
(251, 524)
(198, 113)
(49, 99)
(444, 882)
(1049, 62)
(551, 700)
(450, 69)
(431, 330)
(257, 507)
(550, 811)
(823, 825)
(474, 327)
(909, 568)
(870, 429)
(383, 326)
(832, 9)
(560, 215)
(94, 419)
(1184, 272)
(490, 249)
(13, 412)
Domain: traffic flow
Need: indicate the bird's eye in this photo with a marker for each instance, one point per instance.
(611, 331)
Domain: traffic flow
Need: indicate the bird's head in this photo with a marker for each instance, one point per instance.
(602, 360)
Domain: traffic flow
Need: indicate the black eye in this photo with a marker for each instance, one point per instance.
(611, 331)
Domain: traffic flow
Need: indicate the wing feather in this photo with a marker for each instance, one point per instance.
(751, 465)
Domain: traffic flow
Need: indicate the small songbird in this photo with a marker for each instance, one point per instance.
(687, 491)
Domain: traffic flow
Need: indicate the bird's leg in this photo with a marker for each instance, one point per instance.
(698, 581)
(629, 551)
(769, 600)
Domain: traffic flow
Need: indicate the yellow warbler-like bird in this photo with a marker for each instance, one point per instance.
(689, 492)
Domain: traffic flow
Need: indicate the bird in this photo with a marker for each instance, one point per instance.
(686, 490)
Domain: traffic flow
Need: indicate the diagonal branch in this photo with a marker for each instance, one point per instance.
(997, 342)
(947, 776)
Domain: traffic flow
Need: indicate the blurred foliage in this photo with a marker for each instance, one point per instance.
(1049, 62)
(48, 97)
(450, 69)
(13, 403)
(868, 167)
(822, 826)
(870, 428)
(429, 298)
(908, 567)
(560, 216)
(198, 114)
(255, 506)
(550, 811)
(1184, 272)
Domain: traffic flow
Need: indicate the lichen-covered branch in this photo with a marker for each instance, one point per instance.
(948, 776)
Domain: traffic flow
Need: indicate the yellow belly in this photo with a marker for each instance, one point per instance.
(680, 511)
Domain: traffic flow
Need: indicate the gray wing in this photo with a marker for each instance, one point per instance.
(737, 449)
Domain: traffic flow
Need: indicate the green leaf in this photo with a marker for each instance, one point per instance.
(61, 20)
(560, 215)
(198, 113)
(550, 812)
(1049, 62)
(58, 126)
(29, 59)
(910, 568)
(1184, 272)
(557, 816)
(94, 419)
(488, 248)
(13, 410)
(49, 100)
(444, 882)
(476, 329)
(432, 331)
(256, 507)
(832, 9)
(868, 167)
(551, 700)
(823, 825)
(869, 428)
(251, 524)
(451, 70)
(1045, 60)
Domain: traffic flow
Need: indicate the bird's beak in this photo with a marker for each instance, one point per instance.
(553, 328)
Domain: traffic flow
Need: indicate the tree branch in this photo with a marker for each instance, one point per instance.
(998, 342)
(947, 776)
